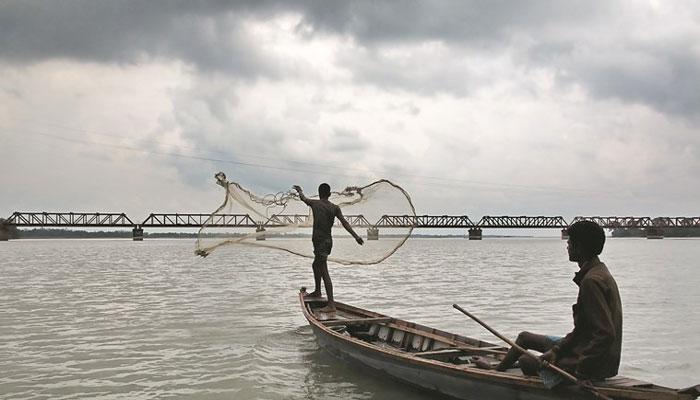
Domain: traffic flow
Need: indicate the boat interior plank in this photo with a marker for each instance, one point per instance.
(440, 352)
(624, 382)
(355, 321)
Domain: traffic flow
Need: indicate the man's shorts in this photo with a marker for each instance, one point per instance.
(555, 339)
(322, 248)
(550, 378)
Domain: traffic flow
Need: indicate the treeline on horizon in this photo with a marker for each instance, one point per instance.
(54, 233)
(78, 234)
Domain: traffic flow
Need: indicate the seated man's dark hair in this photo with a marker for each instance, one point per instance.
(589, 236)
(324, 191)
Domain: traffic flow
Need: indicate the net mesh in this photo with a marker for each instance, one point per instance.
(381, 213)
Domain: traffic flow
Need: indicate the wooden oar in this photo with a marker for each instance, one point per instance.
(544, 363)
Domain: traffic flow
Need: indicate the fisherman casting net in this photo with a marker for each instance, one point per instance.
(381, 213)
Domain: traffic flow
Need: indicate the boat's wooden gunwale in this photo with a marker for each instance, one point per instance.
(492, 377)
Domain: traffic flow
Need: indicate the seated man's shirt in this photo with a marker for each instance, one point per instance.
(592, 350)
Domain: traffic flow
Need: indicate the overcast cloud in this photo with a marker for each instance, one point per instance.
(475, 107)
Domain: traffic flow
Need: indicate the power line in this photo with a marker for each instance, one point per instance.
(441, 181)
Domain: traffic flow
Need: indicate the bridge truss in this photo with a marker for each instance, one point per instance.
(198, 220)
(424, 221)
(617, 222)
(676, 222)
(70, 219)
(521, 222)
(193, 220)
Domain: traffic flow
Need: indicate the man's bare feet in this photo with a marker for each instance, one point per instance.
(313, 294)
(327, 309)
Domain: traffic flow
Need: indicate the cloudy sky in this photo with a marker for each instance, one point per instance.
(474, 107)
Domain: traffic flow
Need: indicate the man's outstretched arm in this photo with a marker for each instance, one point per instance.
(301, 195)
(346, 225)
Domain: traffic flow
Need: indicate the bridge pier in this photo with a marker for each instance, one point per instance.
(474, 233)
(564, 234)
(7, 230)
(372, 233)
(137, 233)
(654, 232)
(260, 233)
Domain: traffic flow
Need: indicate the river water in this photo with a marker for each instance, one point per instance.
(118, 319)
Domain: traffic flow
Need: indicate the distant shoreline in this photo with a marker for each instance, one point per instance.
(124, 234)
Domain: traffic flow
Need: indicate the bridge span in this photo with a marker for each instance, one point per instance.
(653, 226)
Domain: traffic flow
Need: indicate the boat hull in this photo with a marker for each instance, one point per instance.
(441, 362)
(446, 382)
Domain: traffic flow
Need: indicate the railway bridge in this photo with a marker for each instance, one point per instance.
(654, 227)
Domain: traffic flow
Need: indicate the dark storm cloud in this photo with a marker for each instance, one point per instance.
(464, 35)
(544, 34)
(207, 34)
(664, 78)
(476, 21)
(661, 74)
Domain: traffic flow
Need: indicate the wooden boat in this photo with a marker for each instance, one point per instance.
(441, 362)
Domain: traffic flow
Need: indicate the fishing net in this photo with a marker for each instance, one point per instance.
(381, 213)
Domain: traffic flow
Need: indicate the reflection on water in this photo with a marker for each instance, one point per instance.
(327, 378)
(118, 319)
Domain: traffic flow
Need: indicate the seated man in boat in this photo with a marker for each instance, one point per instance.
(591, 351)
(324, 213)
